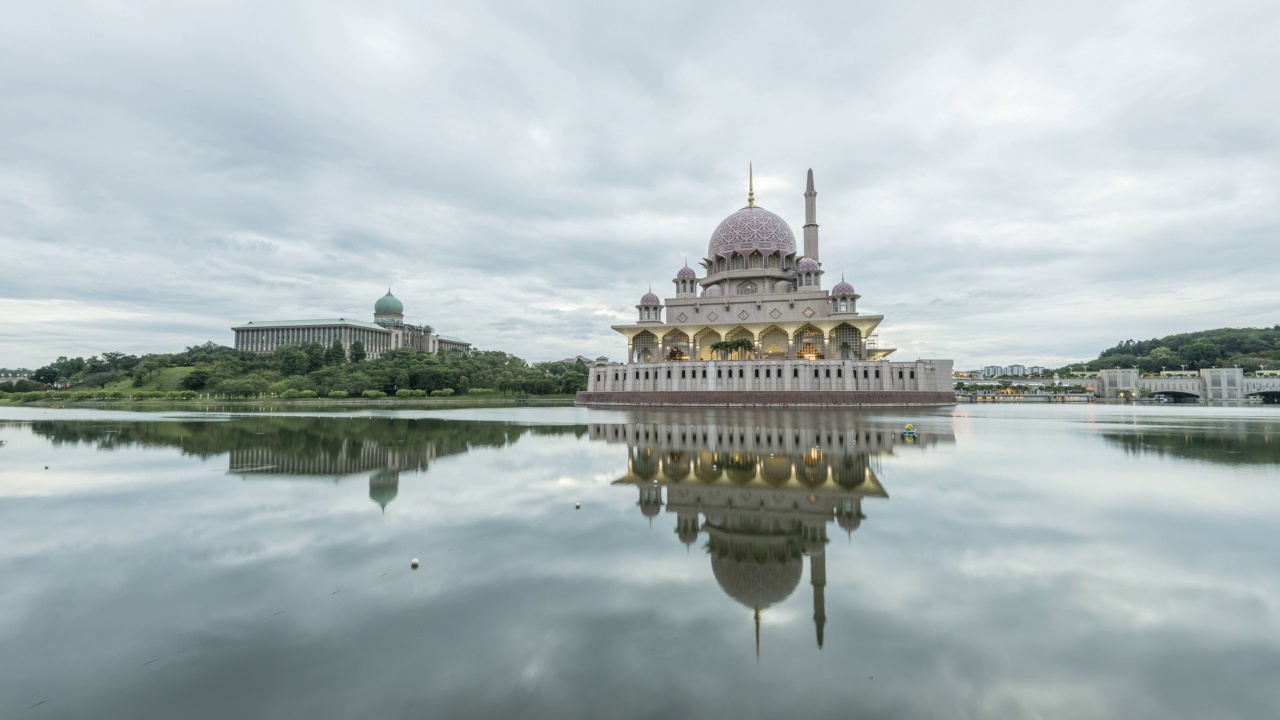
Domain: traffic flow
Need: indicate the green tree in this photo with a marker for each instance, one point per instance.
(1201, 353)
(291, 360)
(335, 355)
(357, 352)
(315, 356)
(197, 379)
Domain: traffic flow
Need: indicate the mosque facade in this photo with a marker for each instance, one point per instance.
(756, 326)
(387, 332)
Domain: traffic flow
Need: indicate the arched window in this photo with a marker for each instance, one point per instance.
(756, 260)
(773, 261)
(808, 278)
(737, 261)
(719, 264)
(844, 305)
(747, 288)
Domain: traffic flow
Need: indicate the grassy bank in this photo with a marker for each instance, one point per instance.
(149, 398)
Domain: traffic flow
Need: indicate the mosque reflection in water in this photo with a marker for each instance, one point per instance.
(763, 490)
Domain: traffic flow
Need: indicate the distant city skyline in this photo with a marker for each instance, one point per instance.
(998, 181)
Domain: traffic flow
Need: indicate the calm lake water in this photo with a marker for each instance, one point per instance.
(1008, 562)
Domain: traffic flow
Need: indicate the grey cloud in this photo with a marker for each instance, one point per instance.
(494, 162)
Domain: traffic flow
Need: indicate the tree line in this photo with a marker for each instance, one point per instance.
(1247, 348)
(311, 368)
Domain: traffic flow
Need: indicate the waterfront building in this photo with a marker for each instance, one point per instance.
(757, 326)
(388, 331)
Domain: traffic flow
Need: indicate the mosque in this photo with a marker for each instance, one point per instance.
(758, 328)
(763, 489)
(388, 331)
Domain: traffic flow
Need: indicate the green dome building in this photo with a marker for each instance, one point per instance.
(388, 305)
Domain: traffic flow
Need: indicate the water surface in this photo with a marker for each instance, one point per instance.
(1008, 562)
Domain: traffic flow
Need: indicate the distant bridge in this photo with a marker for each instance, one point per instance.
(1208, 384)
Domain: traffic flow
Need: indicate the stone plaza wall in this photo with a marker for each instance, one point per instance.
(774, 376)
(739, 398)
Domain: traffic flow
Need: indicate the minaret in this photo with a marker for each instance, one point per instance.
(811, 220)
(818, 576)
(751, 187)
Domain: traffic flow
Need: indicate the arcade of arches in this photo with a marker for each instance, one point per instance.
(774, 342)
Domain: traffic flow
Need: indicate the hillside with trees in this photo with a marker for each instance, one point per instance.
(1247, 348)
(311, 370)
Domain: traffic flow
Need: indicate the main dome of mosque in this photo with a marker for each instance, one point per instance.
(751, 228)
(754, 583)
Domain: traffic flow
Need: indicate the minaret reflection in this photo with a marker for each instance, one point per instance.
(763, 488)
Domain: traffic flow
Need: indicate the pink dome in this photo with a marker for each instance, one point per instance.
(752, 228)
(807, 265)
(650, 299)
(686, 273)
(842, 288)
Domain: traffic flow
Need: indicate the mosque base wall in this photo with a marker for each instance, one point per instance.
(734, 398)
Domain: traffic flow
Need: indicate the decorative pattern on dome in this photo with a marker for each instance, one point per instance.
(757, 573)
(842, 288)
(686, 273)
(807, 265)
(650, 299)
(751, 228)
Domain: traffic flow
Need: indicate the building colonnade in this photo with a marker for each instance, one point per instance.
(266, 339)
(775, 342)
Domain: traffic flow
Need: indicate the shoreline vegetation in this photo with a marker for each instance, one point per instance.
(305, 373)
(55, 399)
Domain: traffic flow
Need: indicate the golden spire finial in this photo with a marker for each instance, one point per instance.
(751, 187)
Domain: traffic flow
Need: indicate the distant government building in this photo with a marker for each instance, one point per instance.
(798, 344)
(388, 331)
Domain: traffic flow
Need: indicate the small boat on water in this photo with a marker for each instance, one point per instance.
(909, 431)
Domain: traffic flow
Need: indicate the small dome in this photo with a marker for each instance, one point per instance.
(713, 291)
(841, 289)
(849, 523)
(650, 509)
(650, 299)
(807, 265)
(686, 273)
(388, 305)
(752, 228)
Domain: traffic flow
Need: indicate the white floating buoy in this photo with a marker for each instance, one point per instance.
(414, 563)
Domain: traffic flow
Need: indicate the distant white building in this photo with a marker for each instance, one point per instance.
(388, 331)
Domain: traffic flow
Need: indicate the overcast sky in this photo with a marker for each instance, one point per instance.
(1005, 183)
